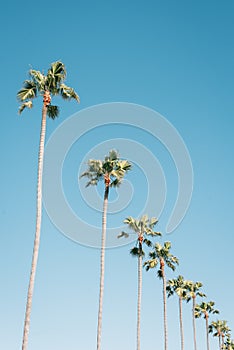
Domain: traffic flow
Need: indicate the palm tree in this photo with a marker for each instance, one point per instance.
(229, 344)
(142, 227)
(111, 170)
(46, 86)
(220, 330)
(161, 254)
(179, 286)
(205, 309)
(193, 292)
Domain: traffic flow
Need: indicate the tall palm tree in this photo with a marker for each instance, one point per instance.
(221, 330)
(46, 86)
(142, 227)
(205, 309)
(111, 170)
(194, 291)
(161, 254)
(179, 286)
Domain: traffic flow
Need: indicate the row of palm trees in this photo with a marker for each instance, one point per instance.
(111, 171)
(186, 290)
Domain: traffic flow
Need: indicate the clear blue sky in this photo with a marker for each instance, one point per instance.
(176, 58)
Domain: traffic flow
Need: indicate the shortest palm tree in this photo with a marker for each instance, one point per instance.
(220, 330)
(206, 309)
(161, 254)
(142, 227)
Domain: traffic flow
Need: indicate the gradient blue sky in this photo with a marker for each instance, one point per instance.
(174, 57)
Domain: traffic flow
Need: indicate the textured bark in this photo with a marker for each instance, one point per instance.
(181, 324)
(194, 325)
(139, 301)
(37, 233)
(102, 265)
(164, 305)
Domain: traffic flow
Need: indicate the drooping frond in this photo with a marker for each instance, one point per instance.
(24, 105)
(123, 234)
(29, 91)
(52, 111)
(68, 93)
(137, 251)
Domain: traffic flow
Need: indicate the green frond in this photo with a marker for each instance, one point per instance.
(113, 155)
(68, 93)
(38, 79)
(136, 251)
(151, 264)
(29, 91)
(24, 105)
(153, 222)
(160, 273)
(52, 111)
(123, 234)
(55, 76)
(147, 242)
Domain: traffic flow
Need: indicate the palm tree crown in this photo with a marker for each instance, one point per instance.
(112, 169)
(221, 330)
(161, 253)
(46, 85)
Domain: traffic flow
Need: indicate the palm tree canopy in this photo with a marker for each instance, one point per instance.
(194, 290)
(38, 83)
(179, 286)
(143, 226)
(112, 167)
(161, 253)
(205, 308)
(219, 328)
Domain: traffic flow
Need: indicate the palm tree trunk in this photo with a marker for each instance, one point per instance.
(207, 334)
(220, 342)
(38, 231)
(139, 300)
(102, 263)
(194, 325)
(181, 324)
(164, 306)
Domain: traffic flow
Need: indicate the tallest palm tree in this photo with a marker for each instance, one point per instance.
(47, 86)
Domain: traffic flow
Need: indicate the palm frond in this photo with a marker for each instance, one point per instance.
(24, 105)
(38, 79)
(137, 251)
(52, 111)
(68, 93)
(123, 234)
(55, 76)
(29, 91)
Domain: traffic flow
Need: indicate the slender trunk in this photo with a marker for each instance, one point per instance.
(194, 325)
(220, 342)
(139, 300)
(181, 324)
(38, 231)
(207, 334)
(102, 265)
(164, 305)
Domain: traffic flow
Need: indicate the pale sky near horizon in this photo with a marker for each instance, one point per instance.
(175, 58)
